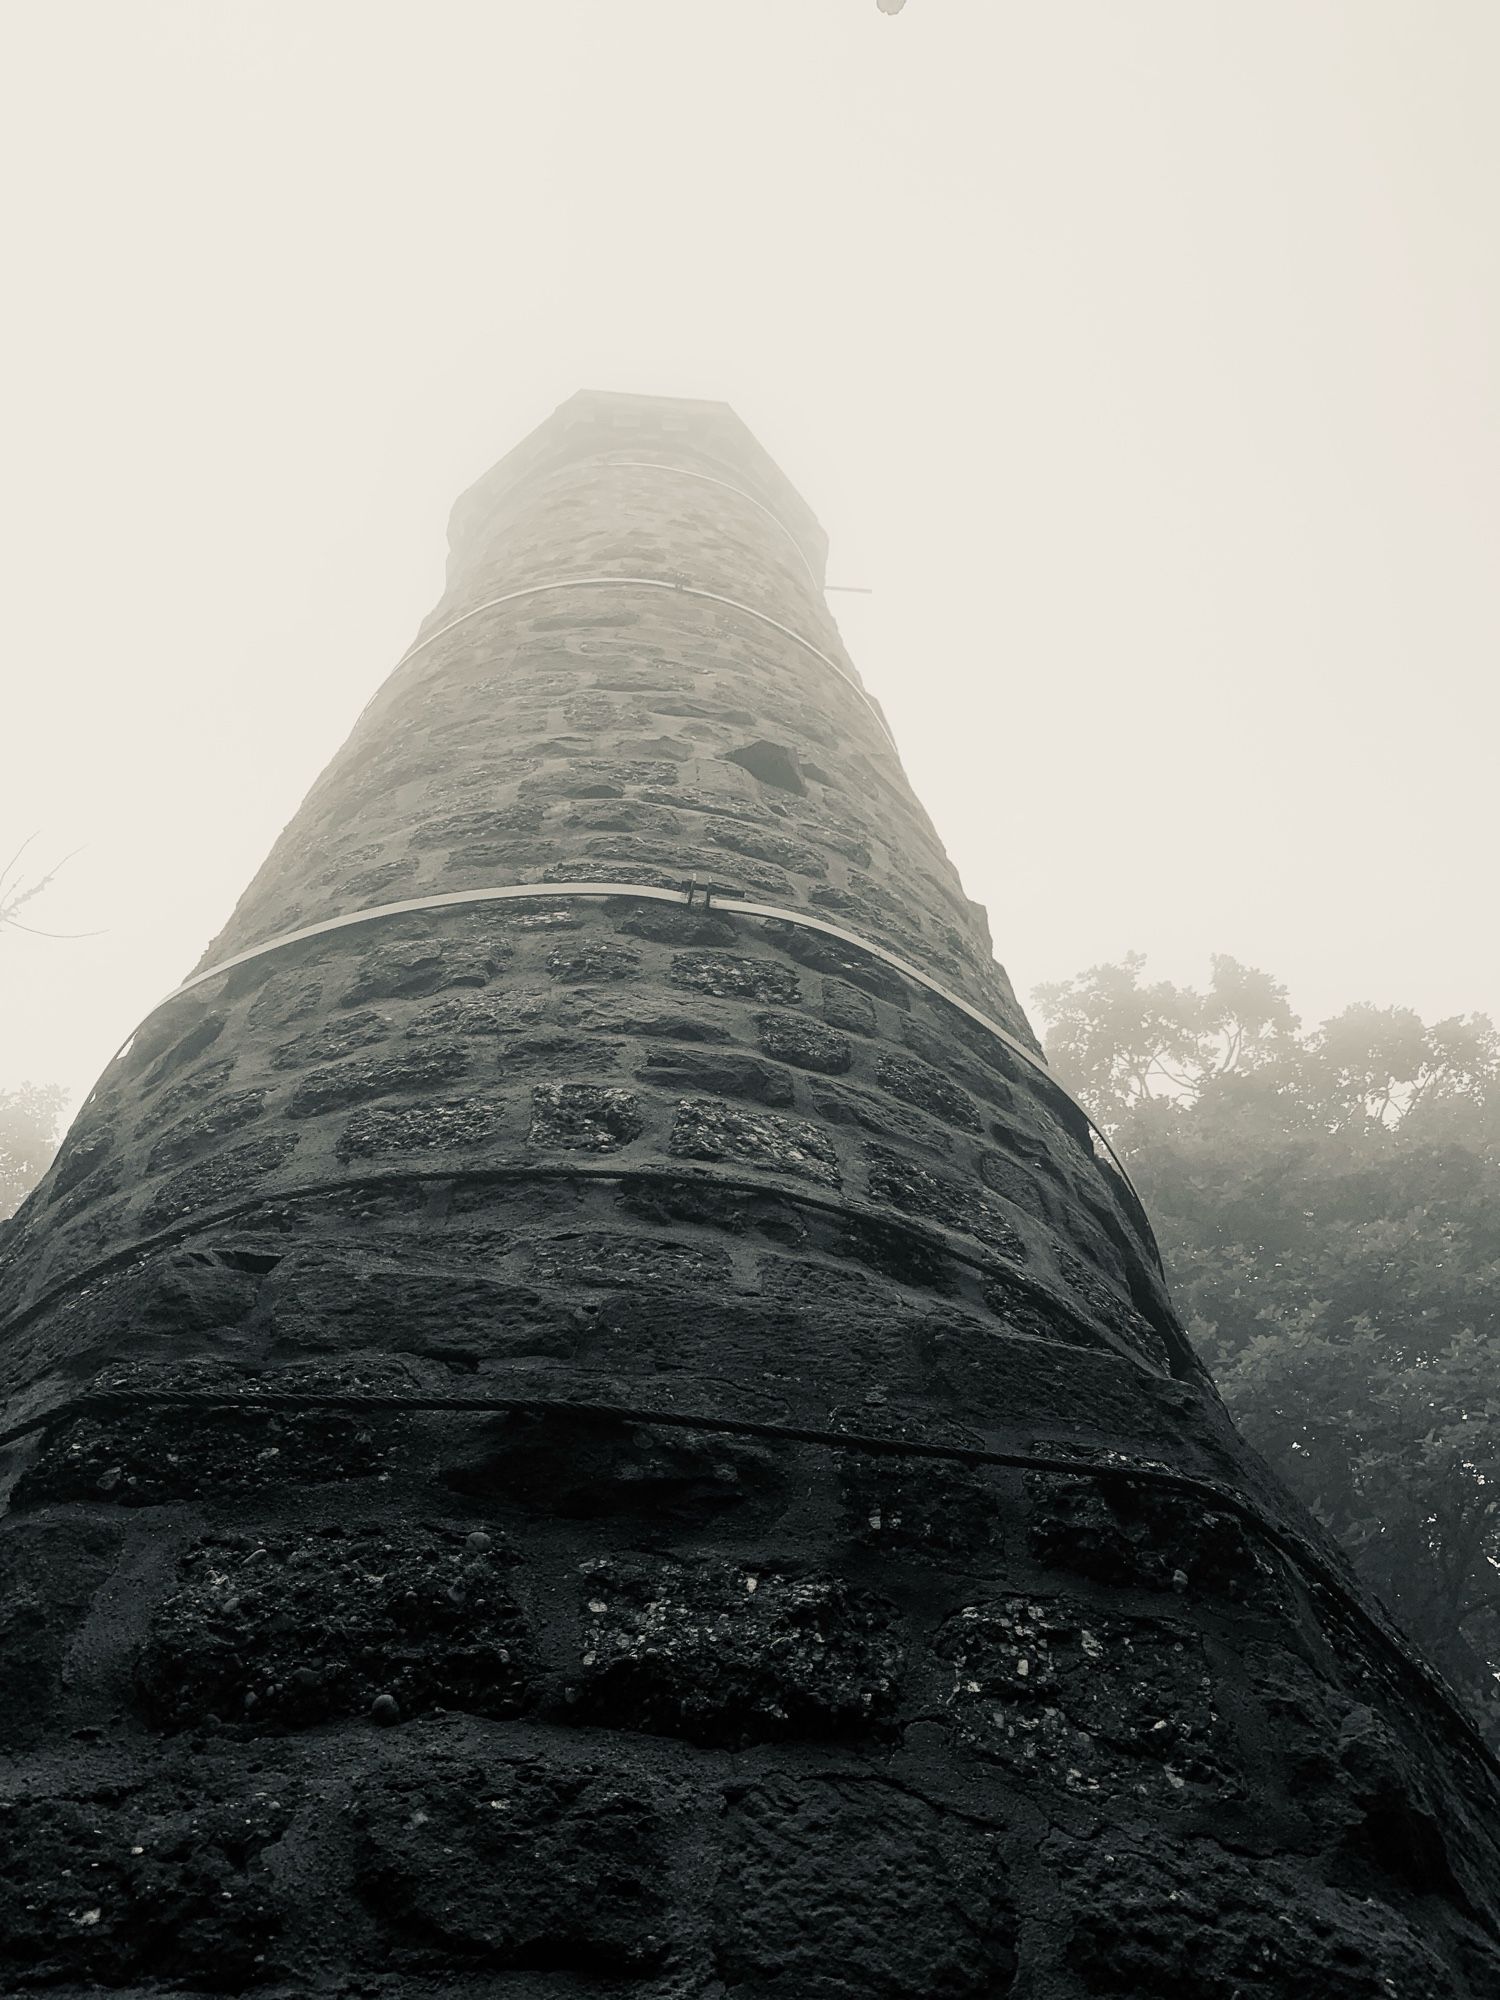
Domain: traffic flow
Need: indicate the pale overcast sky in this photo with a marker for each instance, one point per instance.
(1141, 355)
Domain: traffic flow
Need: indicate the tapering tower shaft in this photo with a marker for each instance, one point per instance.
(584, 1409)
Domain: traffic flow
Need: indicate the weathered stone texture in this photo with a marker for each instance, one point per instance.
(721, 1653)
(516, 1866)
(500, 1548)
(284, 1632)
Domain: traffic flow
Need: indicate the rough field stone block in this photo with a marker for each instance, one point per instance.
(226, 1112)
(1105, 1302)
(505, 1013)
(591, 867)
(850, 1889)
(846, 1007)
(421, 1127)
(711, 1131)
(400, 967)
(584, 1117)
(218, 1180)
(916, 1190)
(592, 959)
(331, 1039)
(920, 1084)
(904, 1255)
(99, 1892)
(1186, 1917)
(284, 998)
(720, 1653)
(572, 1467)
(764, 845)
(848, 964)
(616, 1261)
(149, 1458)
(637, 1015)
(282, 1631)
(82, 1153)
(179, 1035)
(1018, 1184)
(1089, 1704)
(722, 973)
(362, 1077)
(190, 1089)
(921, 1507)
(478, 824)
(627, 817)
(1040, 1316)
(49, 1574)
(726, 1075)
(373, 886)
(316, 1301)
(666, 923)
(808, 1044)
(850, 1104)
(1139, 1537)
(90, 1200)
(636, 847)
(771, 764)
(515, 1865)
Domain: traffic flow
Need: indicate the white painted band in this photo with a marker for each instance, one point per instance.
(645, 892)
(636, 583)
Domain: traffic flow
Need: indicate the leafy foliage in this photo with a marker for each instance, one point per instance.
(1328, 1205)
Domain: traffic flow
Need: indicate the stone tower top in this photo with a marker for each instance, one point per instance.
(599, 424)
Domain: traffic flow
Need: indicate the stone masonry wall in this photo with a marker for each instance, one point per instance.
(469, 1528)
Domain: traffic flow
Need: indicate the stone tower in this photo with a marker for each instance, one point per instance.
(585, 1418)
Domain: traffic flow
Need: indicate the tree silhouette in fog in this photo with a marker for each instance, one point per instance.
(1328, 1205)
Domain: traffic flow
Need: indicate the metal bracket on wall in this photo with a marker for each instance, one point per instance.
(647, 892)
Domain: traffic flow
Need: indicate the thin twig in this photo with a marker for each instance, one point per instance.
(5, 872)
(19, 895)
(15, 924)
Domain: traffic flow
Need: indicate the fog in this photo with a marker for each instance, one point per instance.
(1140, 359)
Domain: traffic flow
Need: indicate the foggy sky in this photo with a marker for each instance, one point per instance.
(1141, 357)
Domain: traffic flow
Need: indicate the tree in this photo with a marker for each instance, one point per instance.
(30, 1117)
(1328, 1205)
(16, 891)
